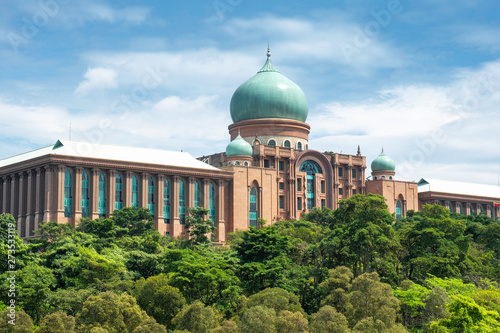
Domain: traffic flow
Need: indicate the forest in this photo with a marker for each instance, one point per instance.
(353, 269)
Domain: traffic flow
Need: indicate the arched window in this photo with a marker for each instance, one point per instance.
(398, 210)
(246, 163)
(271, 142)
(229, 163)
(383, 177)
(286, 144)
(390, 177)
(151, 195)
(311, 168)
(166, 201)
(102, 195)
(448, 206)
(253, 207)
(182, 207)
(85, 194)
(118, 192)
(211, 202)
(135, 192)
(375, 178)
(68, 203)
(196, 194)
(460, 209)
(237, 163)
(299, 146)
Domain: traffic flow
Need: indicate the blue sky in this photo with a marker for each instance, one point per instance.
(420, 78)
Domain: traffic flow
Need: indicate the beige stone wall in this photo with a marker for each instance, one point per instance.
(392, 190)
(265, 182)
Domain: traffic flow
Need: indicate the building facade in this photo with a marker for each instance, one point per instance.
(267, 171)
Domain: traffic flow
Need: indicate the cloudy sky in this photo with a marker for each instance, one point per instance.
(419, 78)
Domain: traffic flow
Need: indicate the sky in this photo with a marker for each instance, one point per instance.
(419, 78)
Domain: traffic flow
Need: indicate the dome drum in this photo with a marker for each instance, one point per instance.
(270, 127)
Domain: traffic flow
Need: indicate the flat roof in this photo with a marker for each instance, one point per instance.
(112, 152)
(464, 188)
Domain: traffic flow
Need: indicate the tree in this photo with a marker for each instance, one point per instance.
(89, 267)
(23, 322)
(258, 319)
(336, 287)
(57, 322)
(35, 283)
(160, 300)
(291, 322)
(228, 326)
(198, 227)
(373, 299)
(412, 297)
(197, 318)
(133, 221)
(468, 316)
(14, 253)
(435, 243)
(209, 276)
(322, 217)
(116, 314)
(263, 254)
(69, 300)
(328, 320)
(277, 299)
(364, 224)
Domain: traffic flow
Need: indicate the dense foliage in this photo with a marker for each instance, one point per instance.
(349, 270)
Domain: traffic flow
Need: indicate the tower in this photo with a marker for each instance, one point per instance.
(270, 109)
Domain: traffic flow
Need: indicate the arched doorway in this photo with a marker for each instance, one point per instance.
(311, 168)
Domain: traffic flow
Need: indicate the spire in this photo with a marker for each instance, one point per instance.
(268, 51)
(268, 66)
(359, 151)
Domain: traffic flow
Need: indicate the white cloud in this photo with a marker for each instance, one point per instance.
(438, 131)
(97, 78)
(332, 37)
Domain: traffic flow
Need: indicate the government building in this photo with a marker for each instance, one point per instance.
(267, 171)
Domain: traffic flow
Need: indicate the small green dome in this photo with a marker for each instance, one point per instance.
(239, 147)
(268, 94)
(383, 163)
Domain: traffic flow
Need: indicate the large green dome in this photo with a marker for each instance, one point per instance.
(239, 147)
(268, 94)
(383, 163)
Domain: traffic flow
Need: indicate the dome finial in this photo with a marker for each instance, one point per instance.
(268, 51)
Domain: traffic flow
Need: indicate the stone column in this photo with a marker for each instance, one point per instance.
(30, 207)
(111, 193)
(39, 198)
(60, 193)
(94, 194)
(48, 190)
(260, 213)
(77, 196)
(127, 189)
(292, 204)
(159, 219)
(21, 211)
(176, 227)
(206, 193)
(143, 200)
(14, 193)
(190, 192)
(5, 195)
(220, 233)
